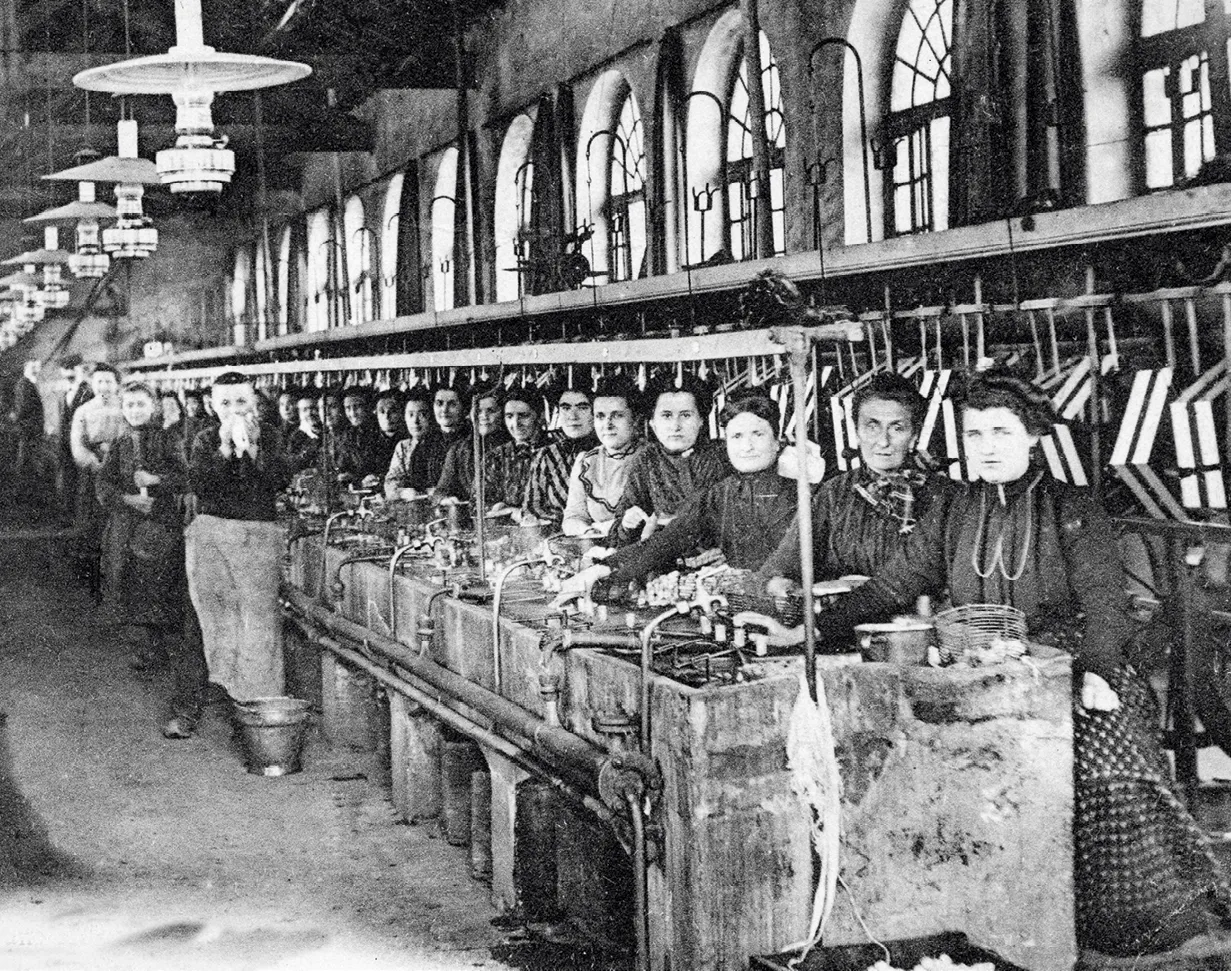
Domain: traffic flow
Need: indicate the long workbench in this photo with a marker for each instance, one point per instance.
(957, 783)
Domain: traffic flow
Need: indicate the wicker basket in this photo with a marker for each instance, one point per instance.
(973, 627)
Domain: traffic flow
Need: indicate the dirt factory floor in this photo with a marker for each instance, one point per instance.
(121, 849)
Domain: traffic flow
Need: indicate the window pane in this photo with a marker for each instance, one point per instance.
(1158, 158)
(740, 151)
(923, 49)
(940, 173)
(735, 205)
(1160, 16)
(1154, 95)
(775, 188)
(636, 233)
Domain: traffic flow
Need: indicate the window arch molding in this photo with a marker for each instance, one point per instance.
(282, 278)
(387, 268)
(358, 261)
(241, 278)
(260, 310)
(512, 218)
(320, 263)
(442, 208)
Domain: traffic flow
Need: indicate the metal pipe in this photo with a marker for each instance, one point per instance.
(555, 744)
(640, 880)
(582, 638)
(468, 727)
(329, 521)
(647, 656)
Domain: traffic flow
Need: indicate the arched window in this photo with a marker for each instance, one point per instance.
(260, 289)
(320, 270)
(388, 267)
(358, 261)
(239, 294)
(284, 281)
(444, 204)
(917, 129)
(611, 209)
(720, 201)
(514, 208)
(740, 185)
(626, 220)
(1186, 104)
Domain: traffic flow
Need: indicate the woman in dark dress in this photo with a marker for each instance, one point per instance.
(141, 484)
(1146, 879)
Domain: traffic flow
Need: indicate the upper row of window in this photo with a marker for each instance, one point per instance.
(1185, 103)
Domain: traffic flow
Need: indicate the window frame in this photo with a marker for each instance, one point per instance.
(737, 181)
(1169, 50)
(620, 204)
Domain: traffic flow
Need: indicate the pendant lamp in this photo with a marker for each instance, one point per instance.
(133, 236)
(192, 73)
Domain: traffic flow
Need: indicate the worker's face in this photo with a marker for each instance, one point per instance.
(613, 423)
(286, 407)
(520, 420)
(334, 414)
(885, 435)
(487, 415)
(138, 408)
(105, 385)
(230, 400)
(576, 414)
(752, 444)
(418, 419)
(387, 416)
(356, 408)
(447, 406)
(308, 419)
(193, 407)
(676, 421)
(171, 411)
(997, 444)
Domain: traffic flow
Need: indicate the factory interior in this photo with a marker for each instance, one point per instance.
(639, 485)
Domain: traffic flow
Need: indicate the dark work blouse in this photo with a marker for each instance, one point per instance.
(849, 534)
(743, 515)
(237, 487)
(660, 482)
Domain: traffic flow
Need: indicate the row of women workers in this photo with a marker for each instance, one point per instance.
(1146, 878)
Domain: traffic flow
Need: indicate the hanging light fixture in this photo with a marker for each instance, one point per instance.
(84, 215)
(133, 236)
(192, 73)
(42, 272)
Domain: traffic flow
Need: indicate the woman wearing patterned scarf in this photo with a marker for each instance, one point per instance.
(862, 517)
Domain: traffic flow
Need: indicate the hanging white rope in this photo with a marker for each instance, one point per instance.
(817, 782)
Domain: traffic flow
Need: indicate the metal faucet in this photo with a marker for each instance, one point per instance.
(337, 590)
(550, 560)
(398, 553)
(681, 609)
(320, 582)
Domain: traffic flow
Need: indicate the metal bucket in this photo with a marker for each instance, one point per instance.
(273, 733)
